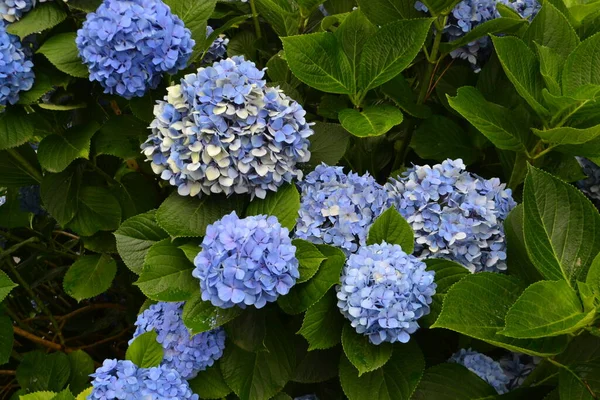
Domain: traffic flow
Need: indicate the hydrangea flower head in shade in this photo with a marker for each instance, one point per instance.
(218, 47)
(484, 367)
(384, 291)
(455, 214)
(30, 200)
(184, 353)
(517, 367)
(16, 72)
(222, 130)
(338, 208)
(590, 185)
(249, 261)
(128, 45)
(123, 380)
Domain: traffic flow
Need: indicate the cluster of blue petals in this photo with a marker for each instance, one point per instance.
(590, 185)
(517, 367)
(222, 130)
(468, 14)
(455, 214)
(484, 367)
(123, 380)
(186, 354)
(217, 49)
(13, 10)
(128, 45)
(243, 262)
(307, 397)
(337, 208)
(384, 291)
(16, 72)
(30, 200)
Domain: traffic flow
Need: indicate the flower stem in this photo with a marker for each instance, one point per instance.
(256, 21)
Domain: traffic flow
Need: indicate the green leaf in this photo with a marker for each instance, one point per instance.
(546, 308)
(568, 135)
(382, 12)
(498, 25)
(248, 331)
(40, 371)
(97, 210)
(41, 17)
(437, 7)
(318, 366)
(319, 61)
(581, 66)
(518, 260)
(6, 285)
(522, 68)
(352, 34)
(191, 249)
(135, 236)
(283, 204)
(260, 375)
(90, 276)
(550, 67)
(399, 91)
(62, 52)
(62, 107)
(45, 395)
(14, 173)
(278, 70)
(476, 306)
(201, 316)
(57, 152)
(121, 136)
(309, 259)
(6, 338)
(137, 194)
(391, 227)
(386, 53)
(323, 322)
(571, 388)
(328, 144)
(194, 15)
(43, 84)
(82, 366)
(59, 194)
(209, 384)
(304, 295)
(281, 16)
(15, 128)
(396, 380)
(167, 274)
(85, 5)
(64, 395)
(145, 351)
(364, 355)
(561, 227)
(11, 215)
(84, 395)
(593, 276)
(186, 216)
(371, 121)
(497, 123)
(439, 138)
(452, 382)
(550, 28)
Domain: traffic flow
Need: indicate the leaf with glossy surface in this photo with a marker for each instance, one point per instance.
(452, 382)
(97, 210)
(371, 121)
(283, 204)
(62, 52)
(201, 316)
(364, 355)
(309, 259)
(323, 322)
(56, 152)
(90, 276)
(41, 17)
(15, 128)
(328, 144)
(145, 351)
(392, 228)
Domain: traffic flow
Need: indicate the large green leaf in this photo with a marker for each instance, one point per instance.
(400, 92)
(352, 34)
(201, 316)
(279, 13)
(439, 138)
(572, 388)
(6, 338)
(381, 12)
(476, 306)
(551, 28)
(386, 53)
(561, 227)
(309, 259)
(56, 152)
(62, 52)
(121, 136)
(11, 214)
(517, 260)
(593, 276)
(551, 65)
(322, 325)
(194, 15)
(82, 365)
(364, 355)
(283, 204)
(97, 210)
(391, 228)
(452, 382)
(15, 128)
(59, 194)
(19, 167)
(40, 371)
(209, 384)
(248, 330)
(371, 121)
(396, 380)
(568, 135)
(135, 237)
(90, 276)
(440, 7)
(318, 366)
(41, 17)
(328, 144)
(319, 61)
(581, 66)
(167, 274)
(145, 351)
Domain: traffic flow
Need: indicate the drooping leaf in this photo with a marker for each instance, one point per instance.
(497, 25)
(62, 52)
(145, 351)
(283, 204)
(392, 228)
(280, 14)
(42, 17)
(90, 276)
(322, 325)
(371, 121)
(56, 152)
(201, 316)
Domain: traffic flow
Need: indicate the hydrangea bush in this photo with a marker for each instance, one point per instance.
(304, 200)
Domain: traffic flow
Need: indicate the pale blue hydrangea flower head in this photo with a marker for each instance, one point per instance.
(482, 366)
(384, 291)
(590, 185)
(222, 130)
(455, 214)
(123, 380)
(307, 397)
(2, 200)
(517, 367)
(217, 49)
(338, 208)
(184, 353)
(246, 262)
(128, 45)
(12, 10)
(16, 70)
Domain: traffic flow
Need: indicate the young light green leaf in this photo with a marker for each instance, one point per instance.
(201, 316)
(15, 128)
(209, 384)
(561, 227)
(62, 52)
(568, 135)
(328, 144)
(391, 227)
(581, 64)
(42, 17)
(323, 322)
(145, 351)
(309, 259)
(283, 204)
(451, 382)
(6, 285)
(97, 210)
(90, 276)
(371, 121)
(44, 395)
(593, 276)
(56, 152)
(551, 28)
(364, 355)
(6, 338)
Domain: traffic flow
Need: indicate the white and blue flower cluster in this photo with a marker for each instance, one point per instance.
(590, 185)
(246, 262)
(218, 47)
(128, 45)
(384, 291)
(222, 130)
(484, 367)
(186, 354)
(123, 380)
(338, 208)
(16, 72)
(454, 214)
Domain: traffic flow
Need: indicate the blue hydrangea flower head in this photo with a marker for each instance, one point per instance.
(384, 291)
(2, 200)
(517, 367)
(12, 10)
(307, 397)
(590, 185)
(455, 214)
(338, 208)
(128, 45)
(243, 262)
(16, 70)
(222, 130)
(217, 49)
(484, 367)
(123, 380)
(30, 200)
(184, 353)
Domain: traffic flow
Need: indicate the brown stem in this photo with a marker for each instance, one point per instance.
(7, 372)
(38, 340)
